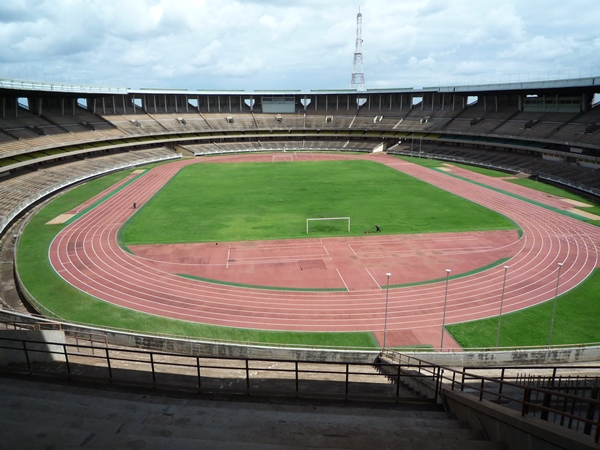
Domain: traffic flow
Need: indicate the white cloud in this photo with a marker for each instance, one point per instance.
(262, 44)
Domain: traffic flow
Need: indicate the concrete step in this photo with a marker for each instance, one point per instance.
(47, 415)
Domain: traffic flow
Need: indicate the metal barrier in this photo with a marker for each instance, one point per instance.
(202, 374)
(559, 397)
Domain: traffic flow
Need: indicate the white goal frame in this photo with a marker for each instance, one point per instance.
(328, 218)
(277, 157)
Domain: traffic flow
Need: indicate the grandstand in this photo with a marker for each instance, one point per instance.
(52, 137)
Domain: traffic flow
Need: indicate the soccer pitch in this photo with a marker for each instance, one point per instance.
(250, 201)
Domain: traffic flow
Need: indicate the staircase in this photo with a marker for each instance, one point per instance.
(43, 414)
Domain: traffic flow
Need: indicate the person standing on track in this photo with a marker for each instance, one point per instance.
(134, 205)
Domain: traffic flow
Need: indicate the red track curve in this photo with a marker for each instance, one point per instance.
(86, 255)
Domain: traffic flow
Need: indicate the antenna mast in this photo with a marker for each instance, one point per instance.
(358, 76)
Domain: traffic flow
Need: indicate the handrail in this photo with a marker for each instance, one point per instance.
(556, 401)
(164, 370)
(577, 409)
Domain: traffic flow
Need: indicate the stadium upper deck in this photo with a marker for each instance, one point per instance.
(556, 120)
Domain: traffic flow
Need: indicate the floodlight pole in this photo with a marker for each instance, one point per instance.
(387, 291)
(501, 304)
(445, 303)
(554, 305)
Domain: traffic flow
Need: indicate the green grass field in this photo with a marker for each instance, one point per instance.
(248, 201)
(576, 322)
(593, 207)
(68, 303)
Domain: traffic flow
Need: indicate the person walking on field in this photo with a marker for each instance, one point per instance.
(377, 229)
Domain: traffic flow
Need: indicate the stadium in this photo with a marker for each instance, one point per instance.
(57, 136)
(338, 268)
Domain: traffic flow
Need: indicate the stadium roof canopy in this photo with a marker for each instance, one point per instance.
(589, 85)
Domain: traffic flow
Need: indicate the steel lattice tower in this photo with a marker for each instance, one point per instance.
(358, 76)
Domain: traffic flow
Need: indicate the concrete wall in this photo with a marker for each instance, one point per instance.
(513, 357)
(49, 341)
(450, 359)
(500, 424)
(199, 348)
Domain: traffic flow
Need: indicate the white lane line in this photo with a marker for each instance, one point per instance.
(371, 275)
(342, 278)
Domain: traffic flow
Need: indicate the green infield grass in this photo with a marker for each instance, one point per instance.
(60, 300)
(575, 322)
(249, 201)
(65, 302)
(593, 207)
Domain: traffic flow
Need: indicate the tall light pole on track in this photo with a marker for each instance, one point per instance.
(444, 316)
(501, 304)
(387, 292)
(554, 305)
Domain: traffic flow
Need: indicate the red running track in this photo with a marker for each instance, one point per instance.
(86, 255)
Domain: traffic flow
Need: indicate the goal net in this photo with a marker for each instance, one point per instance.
(321, 224)
(279, 157)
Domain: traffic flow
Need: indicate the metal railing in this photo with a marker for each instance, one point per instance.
(552, 394)
(201, 374)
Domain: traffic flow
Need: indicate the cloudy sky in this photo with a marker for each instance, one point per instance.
(303, 44)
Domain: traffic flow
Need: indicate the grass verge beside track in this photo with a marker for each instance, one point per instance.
(593, 208)
(69, 303)
(575, 322)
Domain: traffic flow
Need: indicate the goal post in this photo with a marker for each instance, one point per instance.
(311, 219)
